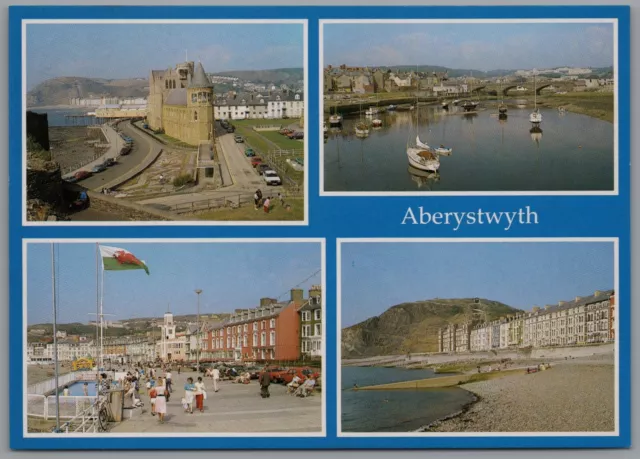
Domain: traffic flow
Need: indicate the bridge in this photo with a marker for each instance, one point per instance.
(564, 86)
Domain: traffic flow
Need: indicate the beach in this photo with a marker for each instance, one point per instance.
(575, 395)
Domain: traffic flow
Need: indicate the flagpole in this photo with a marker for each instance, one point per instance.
(102, 322)
(55, 331)
(97, 308)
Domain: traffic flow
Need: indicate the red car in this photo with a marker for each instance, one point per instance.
(275, 373)
(302, 373)
(81, 175)
(255, 161)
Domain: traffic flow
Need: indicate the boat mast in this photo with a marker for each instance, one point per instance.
(97, 308)
(55, 332)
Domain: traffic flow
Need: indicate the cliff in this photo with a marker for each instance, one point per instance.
(413, 327)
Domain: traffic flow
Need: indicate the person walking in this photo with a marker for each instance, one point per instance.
(189, 391)
(216, 378)
(167, 376)
(265, 380)
(200, 393)
(161, 400)
(267, 203)
(85, 389)
(151, 390)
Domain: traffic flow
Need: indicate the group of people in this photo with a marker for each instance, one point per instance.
(194, 391)
(301, 388)
(267, 203)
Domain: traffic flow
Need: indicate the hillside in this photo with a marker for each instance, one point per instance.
(413, 327)
(58, 91)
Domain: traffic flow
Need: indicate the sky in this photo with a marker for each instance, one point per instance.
(376, 276)
(231, 275)
(470, 46)
(132, 50)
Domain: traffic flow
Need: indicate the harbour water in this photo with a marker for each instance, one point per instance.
(571, 152)
(58, 117)
(394, 411)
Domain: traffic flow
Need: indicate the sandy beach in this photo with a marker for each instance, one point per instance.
(576, 395)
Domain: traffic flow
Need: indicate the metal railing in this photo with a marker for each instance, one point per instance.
(70, 406)
(45, 387)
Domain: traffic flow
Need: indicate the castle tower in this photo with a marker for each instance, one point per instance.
(200, 105)
(169, 328)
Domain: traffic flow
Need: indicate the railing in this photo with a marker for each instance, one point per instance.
(291, 152)
(232, 200)
(41, 406)
(267, 127)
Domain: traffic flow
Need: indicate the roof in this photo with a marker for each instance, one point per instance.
(200, 79)
(176, 96)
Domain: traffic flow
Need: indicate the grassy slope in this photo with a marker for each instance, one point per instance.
(248, 213)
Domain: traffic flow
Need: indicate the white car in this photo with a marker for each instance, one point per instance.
(271, 177)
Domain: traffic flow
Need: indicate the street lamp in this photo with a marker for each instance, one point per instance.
(198, 292)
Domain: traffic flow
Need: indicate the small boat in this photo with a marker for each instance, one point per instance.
(324, 127)
(562, 110)
(391, 108)
(441, 150)
(371, 111)
(456, 102)
(404, 107)
(376, 123)
(502, 109)
(445, 105)
(535, 117)
(362, 129)
(469, 105)
(422, 159)
(335, 120)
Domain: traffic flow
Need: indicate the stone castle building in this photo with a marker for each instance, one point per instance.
(181, 103)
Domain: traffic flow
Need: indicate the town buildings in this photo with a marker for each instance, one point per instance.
(270, 332)
(311, 325)
(271, 105)
(583, 320)
(180, 103)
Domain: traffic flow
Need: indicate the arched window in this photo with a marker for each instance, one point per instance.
(166, 84)
(195, 115)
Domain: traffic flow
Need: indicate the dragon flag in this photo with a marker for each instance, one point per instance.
(115, 259)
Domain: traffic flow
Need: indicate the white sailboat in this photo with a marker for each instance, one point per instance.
(335, 119)
(420, 155)
(535, 117)
(362, 128)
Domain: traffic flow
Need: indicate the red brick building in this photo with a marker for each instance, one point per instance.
(270, 331)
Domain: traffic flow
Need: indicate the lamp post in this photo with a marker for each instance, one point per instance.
(198, 292)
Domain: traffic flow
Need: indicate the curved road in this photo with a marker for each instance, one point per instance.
(141, 147)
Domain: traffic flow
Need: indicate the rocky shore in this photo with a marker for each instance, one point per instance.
(575, 395)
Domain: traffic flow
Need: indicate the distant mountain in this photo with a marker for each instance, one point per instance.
(413, 327)
(276, 76)
(58, 91)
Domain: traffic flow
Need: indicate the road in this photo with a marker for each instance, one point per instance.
(140, 149)
(235, 408)
(245, 178)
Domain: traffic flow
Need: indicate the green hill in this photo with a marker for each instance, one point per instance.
(413, 327)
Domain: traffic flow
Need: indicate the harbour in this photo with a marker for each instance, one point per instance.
(568, 151)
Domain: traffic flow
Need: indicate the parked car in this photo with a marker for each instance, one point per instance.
(81, 201)
(145, 126)
(81, 175)
(262, 167)
(109, 162)
(298, 136)
(276, 373)
(231, 129)
(271, 177)
(99, 168)
(239, 139)
(70, 179)
(248, 152)
(302, 373)
(255, 161)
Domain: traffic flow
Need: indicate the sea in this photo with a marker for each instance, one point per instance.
(57, 117)
(569, 152)
(395, 410)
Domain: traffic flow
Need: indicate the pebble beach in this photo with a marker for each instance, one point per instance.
(575, 395)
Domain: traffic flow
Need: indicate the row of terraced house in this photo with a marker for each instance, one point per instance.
(583, 320)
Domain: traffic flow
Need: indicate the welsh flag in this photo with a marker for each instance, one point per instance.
(115, 259)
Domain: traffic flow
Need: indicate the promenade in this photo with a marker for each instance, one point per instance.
(234, 408)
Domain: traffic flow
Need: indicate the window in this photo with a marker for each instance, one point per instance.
(272, 338)
(195, 115)
(255, 339)
(272, 323)
(264, 324)
(244, 341)
(246, 327)
(318, 330)
(263, 339)
(317, 313)
(306, 330)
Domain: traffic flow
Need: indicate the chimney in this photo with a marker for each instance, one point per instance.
(267, 301)
(597, 293)
(297, 295)
(315, 291)
(560, 303)
(578, 298)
